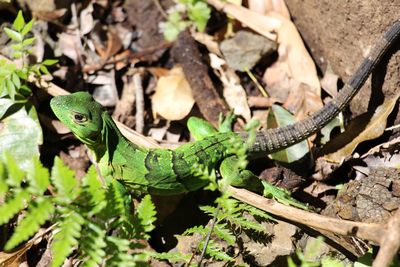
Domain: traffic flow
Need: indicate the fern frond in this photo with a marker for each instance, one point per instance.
(247, 224)
(224, 233)
(215, 251)
(200, 229)
(9, 209)
(64, 181)
(66, 237)
(38, 212)
(210, 210)
(94, 190)
(3, 180)
(172, 257)
(38, 177)
(256, 212)
(119, 250)
(92, 245)
(14, 173)
(146, 212)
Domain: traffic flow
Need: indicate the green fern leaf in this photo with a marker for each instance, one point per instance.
(214, 251)
(119, 249)
(13, 206)
(95, 190)
(200, 229)
(3, 180)
(38, 177)
(247, 224)
(224, 233)
(66, 237)
(256, 212)
(146, 212)
(15, 174)
(64, 180)
(172, 257)
(92, 245)
(38, 212)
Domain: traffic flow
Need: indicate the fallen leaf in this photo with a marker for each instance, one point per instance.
(279, 117)
(294, 66)
(374, 129)
(264, 25)
(86, 20)
(69, 45)
(265, 6)
(330, 81)
(173, 98)
(233, 91)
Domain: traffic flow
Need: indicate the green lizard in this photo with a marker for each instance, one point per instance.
(168, 172)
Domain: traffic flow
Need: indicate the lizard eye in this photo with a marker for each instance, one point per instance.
(79, 118)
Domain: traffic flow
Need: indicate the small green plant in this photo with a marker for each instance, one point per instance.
(13, 79)
(20, 124)
(185, 13)
(92, 220)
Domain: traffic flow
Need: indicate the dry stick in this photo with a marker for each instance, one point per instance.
(390, 243)
(369, 231)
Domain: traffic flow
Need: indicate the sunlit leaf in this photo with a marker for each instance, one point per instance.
(19, 21)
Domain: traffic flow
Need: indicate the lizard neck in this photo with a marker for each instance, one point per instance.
(112, 141)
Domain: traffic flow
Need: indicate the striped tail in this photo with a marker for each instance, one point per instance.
(272, 140)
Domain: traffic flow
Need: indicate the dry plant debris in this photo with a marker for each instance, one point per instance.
(115, 50)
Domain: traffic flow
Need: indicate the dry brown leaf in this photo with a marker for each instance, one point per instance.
(296, 63)
(69, 44)
(233, 91)
(374, 129)
(330, 81)
(264, 25)
(264, 6)
(86, 20)
(173, 98)
(302, 101)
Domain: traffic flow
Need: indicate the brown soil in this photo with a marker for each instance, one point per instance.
(341, 32)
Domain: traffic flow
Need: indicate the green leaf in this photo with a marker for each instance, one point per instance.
(64, 181)
(44, 69)
(10, 89)
(49, 62)
(19, 21)
(280, 117)
(21, 135)
(28, 41)
(38, 177)
(67, 237)
(17, 46)
(223, 232)
(27, 27)
(199, 13)
(15, 79)
(15, 174)
(92, 245)
(17, 54)
(119, 250)
(38, 212)
(9, 209)
(146, 212)
(3, 180)
(95, 189)
(13, 35)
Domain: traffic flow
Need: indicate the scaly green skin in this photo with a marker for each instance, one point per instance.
(156, 171)
(167, 172)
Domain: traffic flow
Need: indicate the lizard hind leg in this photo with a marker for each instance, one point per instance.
(230, 170)
(201, 128)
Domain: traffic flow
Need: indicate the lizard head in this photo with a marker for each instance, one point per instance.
(81, 114)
